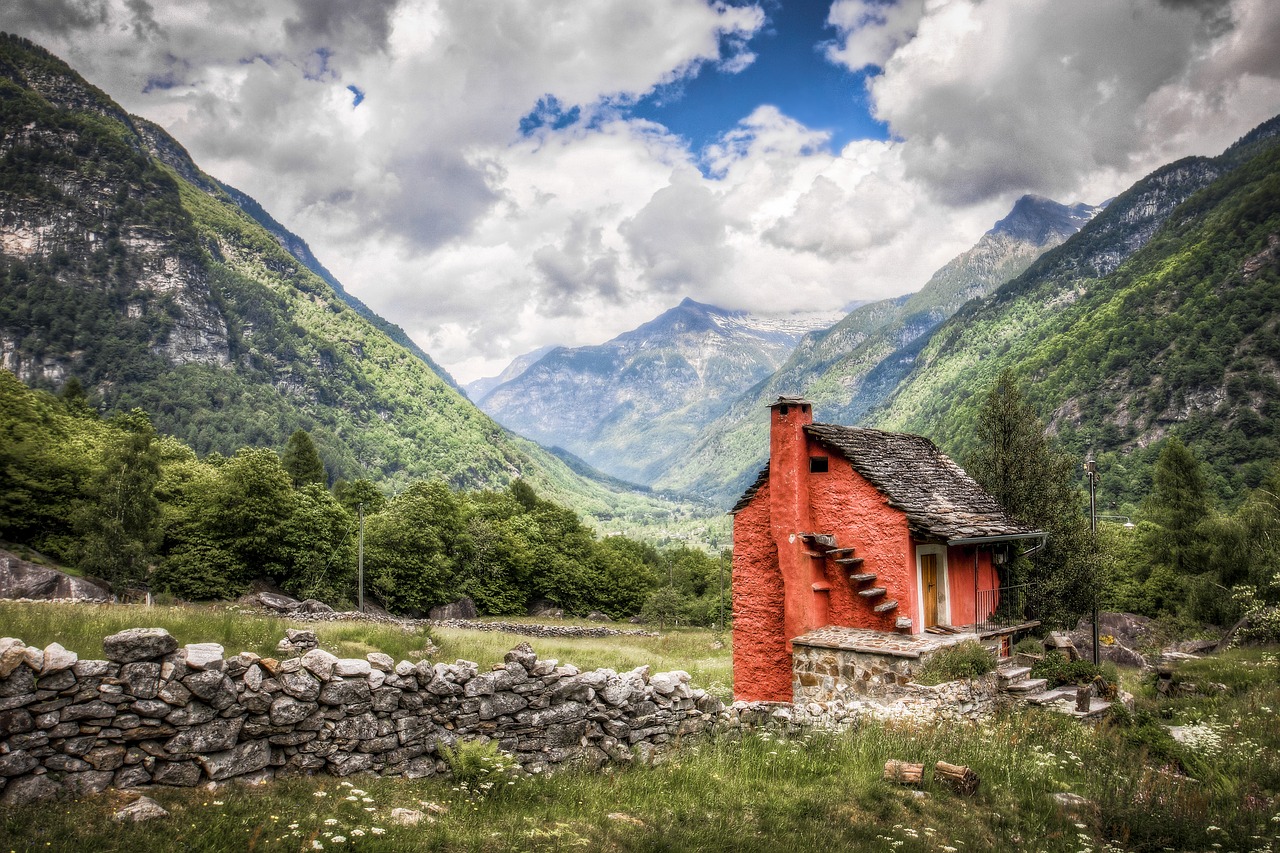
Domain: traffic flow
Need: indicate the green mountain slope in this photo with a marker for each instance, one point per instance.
(125, 267)
(1180, 338)
(847, 369)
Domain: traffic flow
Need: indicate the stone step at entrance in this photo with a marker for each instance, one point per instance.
(1028, 686)
(1012, 674)
(886, 607)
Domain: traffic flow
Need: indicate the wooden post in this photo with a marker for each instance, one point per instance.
(902, 772)
(1084, 695)
(961, 779)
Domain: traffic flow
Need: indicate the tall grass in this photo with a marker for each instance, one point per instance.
(765, 791)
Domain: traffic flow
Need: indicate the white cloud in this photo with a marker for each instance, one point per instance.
(483, 243)
(1003, 96)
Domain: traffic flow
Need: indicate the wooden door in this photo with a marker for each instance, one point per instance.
(929, 588)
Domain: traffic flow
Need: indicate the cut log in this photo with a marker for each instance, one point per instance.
(903, 772)
(960, 779)
(1084, 696)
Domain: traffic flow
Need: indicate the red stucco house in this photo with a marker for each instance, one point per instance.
(858, 529)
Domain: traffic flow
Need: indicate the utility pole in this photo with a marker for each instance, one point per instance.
(360, 555)
(1091, 470)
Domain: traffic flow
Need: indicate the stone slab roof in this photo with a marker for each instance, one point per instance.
(750, 493)
(939, 499)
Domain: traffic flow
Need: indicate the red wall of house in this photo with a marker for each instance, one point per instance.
(847, 506)
(761, 652)
(960, 571)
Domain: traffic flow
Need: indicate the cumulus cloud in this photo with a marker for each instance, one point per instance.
(1002, 96)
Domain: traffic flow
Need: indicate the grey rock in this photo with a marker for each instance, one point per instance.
(352, 668)
(108, 758)
(94, 668)
(88, 782)
(94, 710)
(210, 737)
(205, 656)
(212, 686)
(311, 605)
(245, 758)
(15, 722)
(501, 704)
(286, 710)
(57, 659)
(180, 774)
(320, 662)
(192, 714)
(300, 685)
(463, 608)
(131, 776)
(28, 790)
(22, 579)
(141, 679)
(17, 763)
(345, 693)
(277, 602)
(143, 808)
(136, 644)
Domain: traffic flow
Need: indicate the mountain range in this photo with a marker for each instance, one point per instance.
(628, 406)
(126, 268)
(152, 285)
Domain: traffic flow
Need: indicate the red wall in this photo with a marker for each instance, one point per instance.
(850, 508)
(960, 579)
(761, 652)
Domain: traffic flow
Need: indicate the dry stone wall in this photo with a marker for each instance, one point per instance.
(154, 713)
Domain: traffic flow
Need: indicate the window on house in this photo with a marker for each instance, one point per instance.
(817, 464)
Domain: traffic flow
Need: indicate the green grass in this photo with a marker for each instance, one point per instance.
(763, 791)
(705, 655)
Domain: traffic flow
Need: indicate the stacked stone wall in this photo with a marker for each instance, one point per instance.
(843, 682)
(154, 713)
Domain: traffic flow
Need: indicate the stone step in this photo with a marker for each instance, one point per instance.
(1027, 685)
(862, 577)
(837, 553)
(886, 606)
(1051, 696)
(873, 592)
(849, 562)
(1011, 674)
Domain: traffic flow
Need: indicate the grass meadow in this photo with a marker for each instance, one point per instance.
(768, 790)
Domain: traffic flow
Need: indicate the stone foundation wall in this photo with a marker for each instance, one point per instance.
(153, 713)
(844, 683)
(823, 675)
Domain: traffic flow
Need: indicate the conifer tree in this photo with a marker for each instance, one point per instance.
(302, 461)
(1036, 483)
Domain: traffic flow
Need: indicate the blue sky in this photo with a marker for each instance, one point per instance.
(790, 71)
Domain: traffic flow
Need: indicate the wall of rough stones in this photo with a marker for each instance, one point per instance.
(881, 686)
(154, 713)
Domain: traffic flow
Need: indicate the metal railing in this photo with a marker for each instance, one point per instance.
(1004, 606)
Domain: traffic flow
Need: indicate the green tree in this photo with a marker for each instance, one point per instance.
(352, 493)
(302, 461)
(1179, 505)
(416, 547)
(118, 526)
(253, 501)
(319, 542)
(1036, 483)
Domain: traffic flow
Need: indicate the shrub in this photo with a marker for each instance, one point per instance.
(964, 660)
(1057, 670)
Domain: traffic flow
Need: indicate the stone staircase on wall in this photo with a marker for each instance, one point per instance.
(824, 547)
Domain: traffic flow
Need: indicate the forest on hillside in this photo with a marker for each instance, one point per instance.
(115, 500)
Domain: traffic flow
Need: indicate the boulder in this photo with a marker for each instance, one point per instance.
(22, 579)
(545, 609)
(311, 605)
(278, 603)
(463, 608)
(597, 616)
(135, 644)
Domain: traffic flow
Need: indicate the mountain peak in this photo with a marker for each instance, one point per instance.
(1038, 220)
